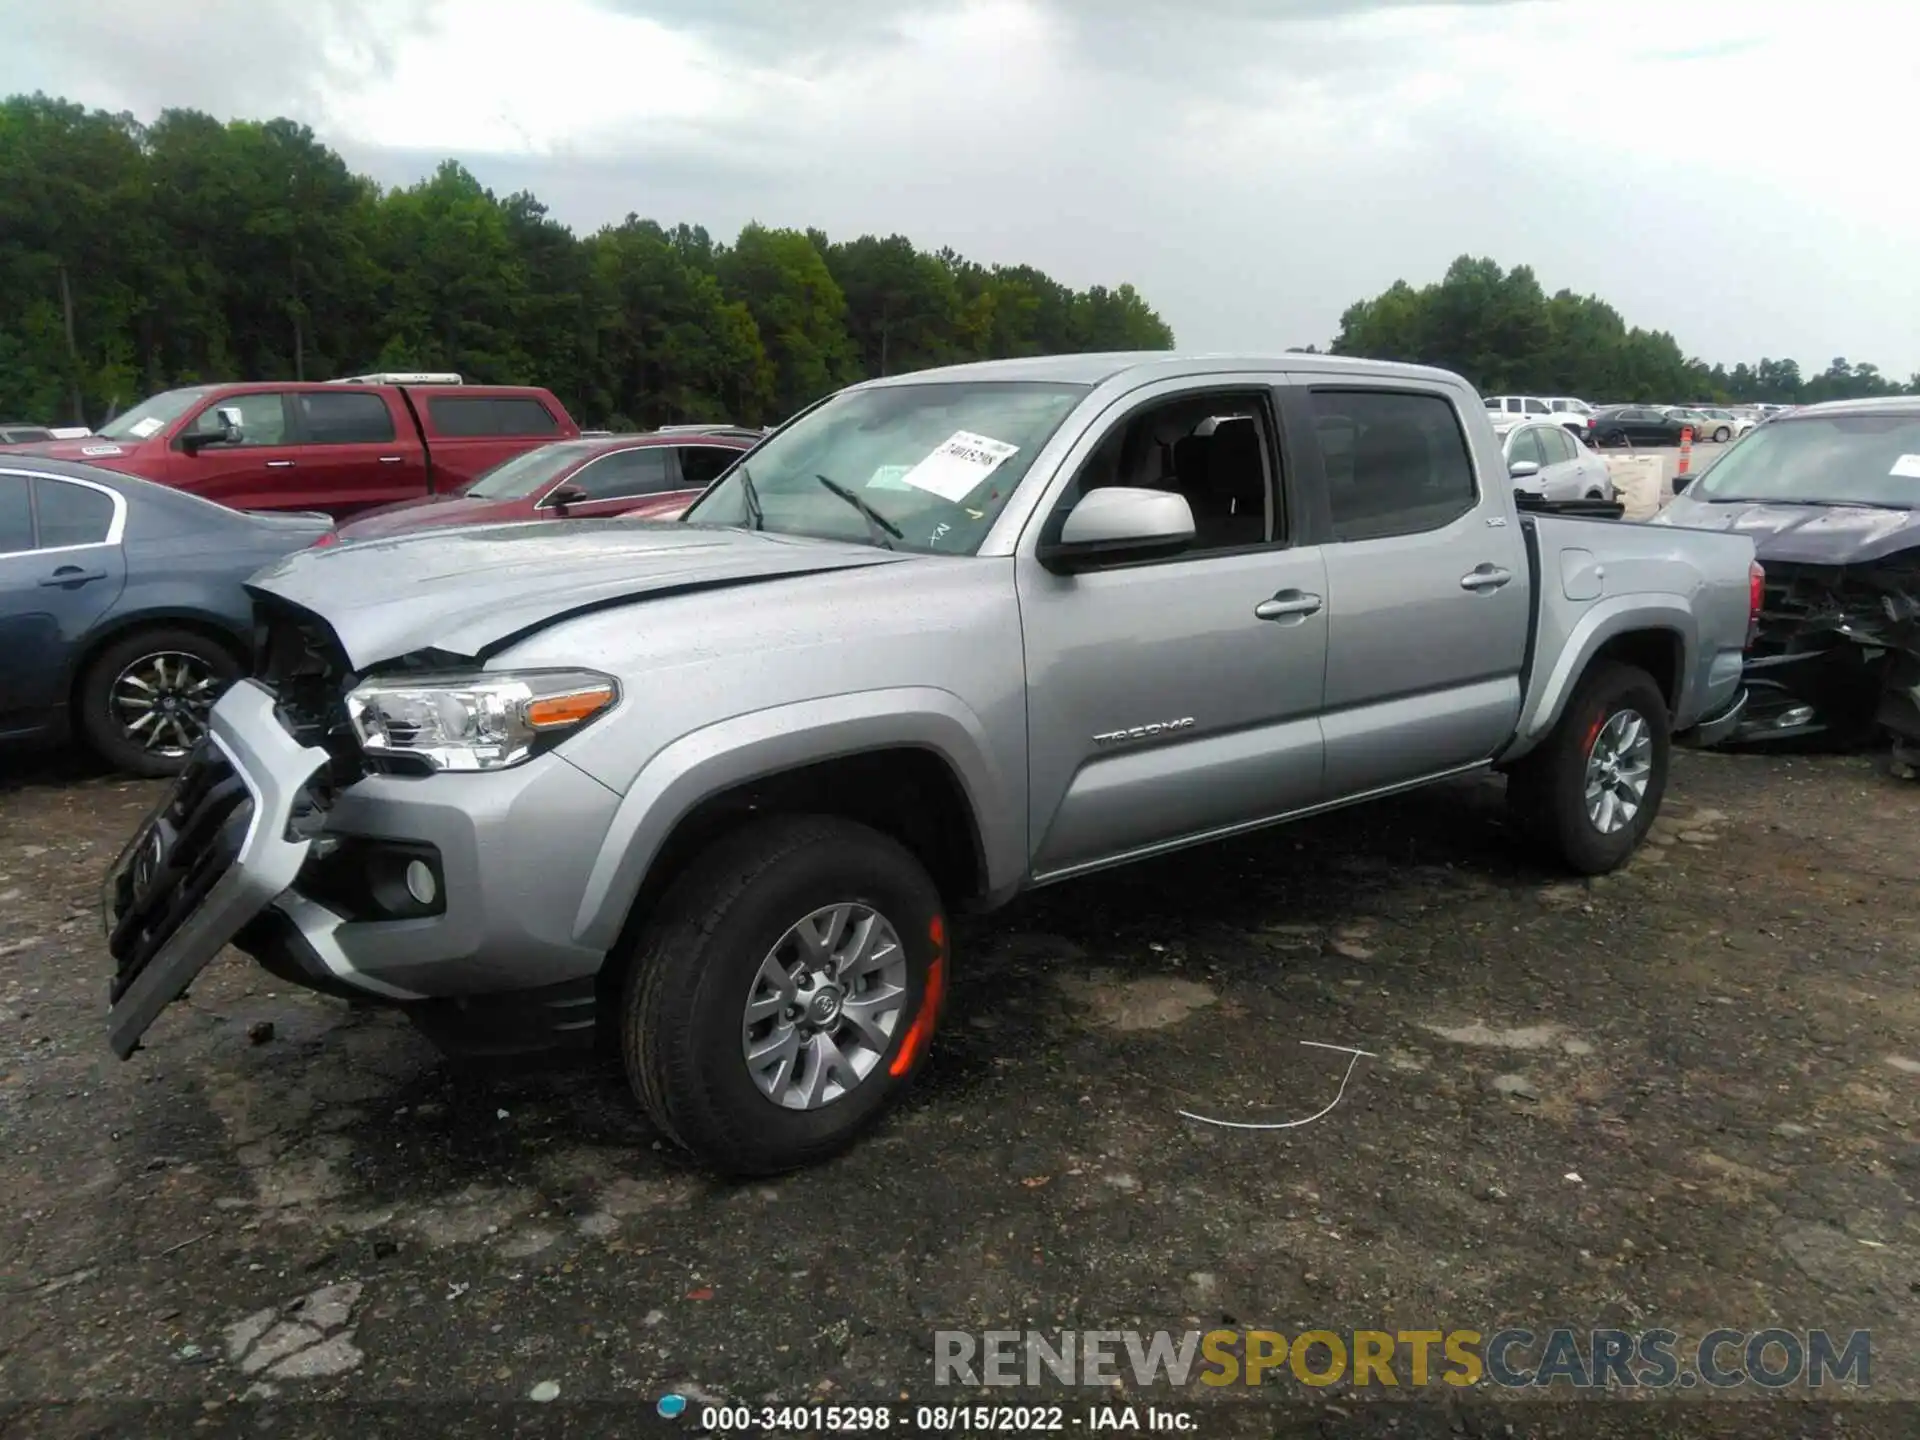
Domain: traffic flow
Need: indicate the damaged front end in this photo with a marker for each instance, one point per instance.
(1837, 654)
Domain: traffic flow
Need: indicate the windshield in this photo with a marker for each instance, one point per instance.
(1829, 460)
(927, 467)
(152, 415)
(529, 473)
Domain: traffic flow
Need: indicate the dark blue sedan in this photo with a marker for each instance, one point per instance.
(122, 616)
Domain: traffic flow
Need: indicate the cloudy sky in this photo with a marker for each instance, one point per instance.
(1735, 171)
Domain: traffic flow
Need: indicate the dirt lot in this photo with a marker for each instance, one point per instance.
(1722, 1045)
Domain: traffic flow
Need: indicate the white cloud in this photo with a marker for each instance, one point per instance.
(1734, 173)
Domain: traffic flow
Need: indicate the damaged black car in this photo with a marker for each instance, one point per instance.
(1831, 496)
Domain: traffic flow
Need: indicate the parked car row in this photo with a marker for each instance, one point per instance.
(123, 553)
(340, 447)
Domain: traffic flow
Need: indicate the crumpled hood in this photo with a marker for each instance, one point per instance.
(471, 592)
(405, 516)
(1803, 534)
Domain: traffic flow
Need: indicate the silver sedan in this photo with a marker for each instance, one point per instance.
(1548, 460)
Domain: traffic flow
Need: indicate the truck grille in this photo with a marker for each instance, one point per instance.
(192, 841)
(1808, 607)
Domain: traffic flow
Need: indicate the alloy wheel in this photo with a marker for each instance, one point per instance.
(824, 1006)
(161, 701)
(1619, 768)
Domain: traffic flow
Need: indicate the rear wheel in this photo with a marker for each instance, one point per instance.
(1722, 435)
(144, 700)
(785, 993)
(1593, 788)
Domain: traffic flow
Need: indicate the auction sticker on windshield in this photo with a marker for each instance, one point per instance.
(143, 428)
(1907, 467)
(955, 469)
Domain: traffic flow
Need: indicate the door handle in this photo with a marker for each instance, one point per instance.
(1485, 577)
(1288, 605)
(391, 459)
(279, 464)
(72, 577)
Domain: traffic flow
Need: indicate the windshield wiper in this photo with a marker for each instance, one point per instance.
(750, 497)
(876, 522)
(1822, 504)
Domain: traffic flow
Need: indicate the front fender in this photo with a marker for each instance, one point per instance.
(765, 742)
(1574, 651)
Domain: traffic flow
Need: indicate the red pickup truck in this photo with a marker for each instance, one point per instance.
(341, 446)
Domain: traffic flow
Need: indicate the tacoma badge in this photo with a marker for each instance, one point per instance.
(1143, 732)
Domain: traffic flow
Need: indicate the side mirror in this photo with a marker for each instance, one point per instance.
(1523, 469)
(566, 495)
(1119, 522)
(229, 433)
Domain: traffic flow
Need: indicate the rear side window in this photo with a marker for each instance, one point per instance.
(466, 416)
(702, 464)
(71, 514)
(16, 515)
(1558, 446)
(1536, 407)
(352, 417)
(1396, 463)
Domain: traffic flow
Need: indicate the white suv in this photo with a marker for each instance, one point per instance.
(1565, 409)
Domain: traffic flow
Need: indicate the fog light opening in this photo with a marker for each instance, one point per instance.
(420, 882)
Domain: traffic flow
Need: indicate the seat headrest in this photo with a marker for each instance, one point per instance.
(1237, 471)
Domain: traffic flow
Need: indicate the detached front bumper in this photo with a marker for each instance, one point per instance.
(208, 859)
(240, 853)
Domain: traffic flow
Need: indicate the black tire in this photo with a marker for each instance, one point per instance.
(682, 1012)
(1722, 435)
(1546, 791)
(105, 730)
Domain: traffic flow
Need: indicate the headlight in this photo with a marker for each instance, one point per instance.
(478, 721)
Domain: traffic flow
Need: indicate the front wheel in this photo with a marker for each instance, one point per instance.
(1722, 435)
(1592, 789)
(785, 993)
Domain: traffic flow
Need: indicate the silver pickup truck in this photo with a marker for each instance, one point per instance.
(712, 788)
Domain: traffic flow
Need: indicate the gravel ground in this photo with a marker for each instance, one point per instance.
(285, 1199)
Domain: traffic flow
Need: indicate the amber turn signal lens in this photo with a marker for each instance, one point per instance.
(554, 712)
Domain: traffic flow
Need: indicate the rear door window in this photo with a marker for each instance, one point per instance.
(467, 416)
(71, 514)
(16, 515)
(701, 465)
(351, 417)
(1408, 470)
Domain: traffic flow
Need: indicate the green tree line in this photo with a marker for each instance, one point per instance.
(136, 257)
(1506, 335)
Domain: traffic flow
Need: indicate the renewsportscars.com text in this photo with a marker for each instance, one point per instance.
(1385, 1359)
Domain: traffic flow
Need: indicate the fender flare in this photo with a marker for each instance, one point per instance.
(748, 747)
(1606, 620)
